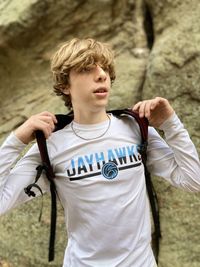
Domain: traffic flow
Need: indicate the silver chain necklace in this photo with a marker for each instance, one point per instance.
(109, 122)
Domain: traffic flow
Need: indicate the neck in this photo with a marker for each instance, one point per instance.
(84, 117)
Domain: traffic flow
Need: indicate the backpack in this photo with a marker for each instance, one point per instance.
(45, 166)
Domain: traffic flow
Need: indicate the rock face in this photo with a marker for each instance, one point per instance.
(157, 53)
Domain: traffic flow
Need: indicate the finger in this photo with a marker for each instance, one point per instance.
(155, 103)
(137, 106)
(45, 127)
(49, 114)
(49, 120)
(141, 109)
(47, 132)
(147, 111)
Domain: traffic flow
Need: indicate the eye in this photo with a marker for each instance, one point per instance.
(86, 69)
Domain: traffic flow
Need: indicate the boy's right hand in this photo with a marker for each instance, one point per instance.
(44, 121)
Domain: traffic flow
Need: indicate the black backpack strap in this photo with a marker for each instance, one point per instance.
(63, 120)
(153, 199)
(46, 166)
(142, 122)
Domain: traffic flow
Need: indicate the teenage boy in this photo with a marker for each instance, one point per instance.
(99, 175)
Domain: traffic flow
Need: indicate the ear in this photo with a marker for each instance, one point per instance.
(66, 90)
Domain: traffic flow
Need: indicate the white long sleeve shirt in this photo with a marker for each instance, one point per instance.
(101, 185)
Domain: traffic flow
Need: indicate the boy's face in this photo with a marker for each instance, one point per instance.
(89, 89)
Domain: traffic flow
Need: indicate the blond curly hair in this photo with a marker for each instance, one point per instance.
(79, 54)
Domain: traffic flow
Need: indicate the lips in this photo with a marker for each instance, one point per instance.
(101, 90)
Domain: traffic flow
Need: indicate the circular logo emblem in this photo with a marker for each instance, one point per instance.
(109, 170)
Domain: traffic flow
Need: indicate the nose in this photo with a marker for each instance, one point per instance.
(101, 75)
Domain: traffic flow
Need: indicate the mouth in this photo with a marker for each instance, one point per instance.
(101, 90)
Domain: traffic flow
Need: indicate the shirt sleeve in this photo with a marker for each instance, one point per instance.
(174, 158)
(16, 174)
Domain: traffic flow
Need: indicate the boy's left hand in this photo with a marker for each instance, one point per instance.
(156, 110)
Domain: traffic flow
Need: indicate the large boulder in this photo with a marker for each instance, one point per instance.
(173, 72)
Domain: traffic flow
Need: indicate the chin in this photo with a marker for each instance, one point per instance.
(100, 107)
(102, 104)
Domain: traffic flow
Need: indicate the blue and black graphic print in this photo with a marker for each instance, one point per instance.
(106, 163)
(109, 170)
